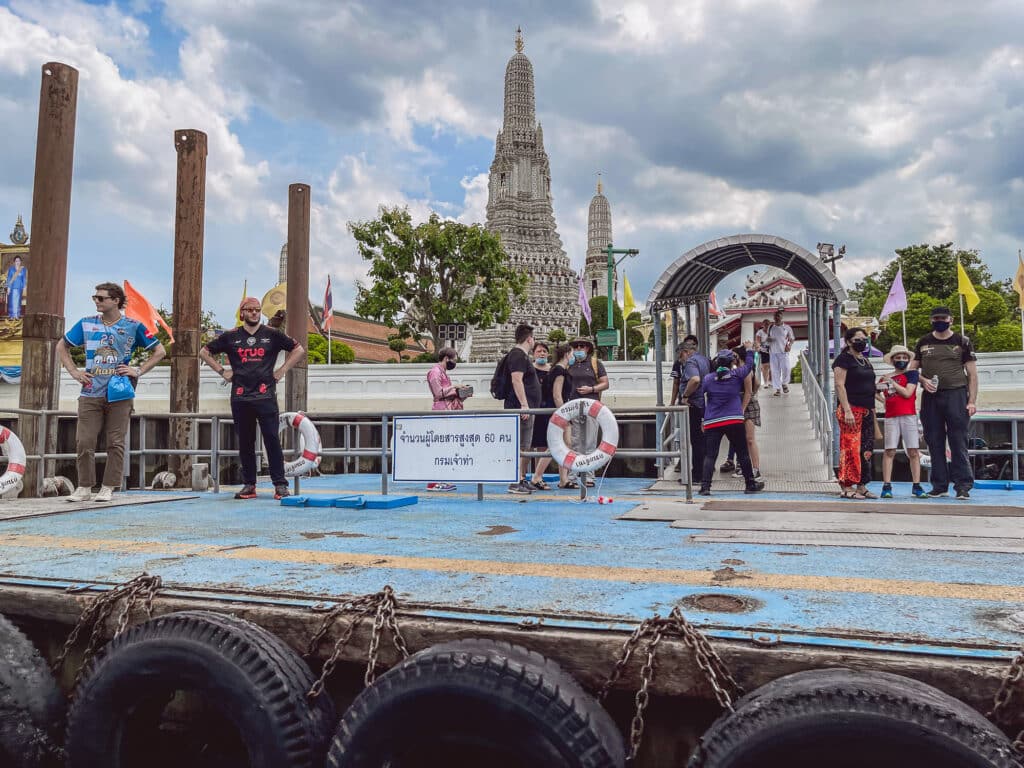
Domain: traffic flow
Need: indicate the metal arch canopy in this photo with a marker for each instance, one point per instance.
(694, 274)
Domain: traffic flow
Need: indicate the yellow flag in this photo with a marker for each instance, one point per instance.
(963, 285)
(628, 305)
(238, 312)
(1018, 280)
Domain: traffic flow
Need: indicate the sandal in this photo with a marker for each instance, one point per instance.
(571, 484)
(866, 494)
(540, 485)
(851, 493)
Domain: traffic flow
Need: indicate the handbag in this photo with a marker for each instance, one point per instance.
(119, 388)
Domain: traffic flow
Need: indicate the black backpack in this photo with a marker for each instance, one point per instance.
(500, 379)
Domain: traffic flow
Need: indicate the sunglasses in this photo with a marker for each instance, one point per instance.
(97, 297)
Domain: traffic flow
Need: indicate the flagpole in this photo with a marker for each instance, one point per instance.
(329, 324)
(904, 313)
(961, 314)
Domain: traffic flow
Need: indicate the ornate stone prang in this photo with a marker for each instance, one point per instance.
(519, 210)
(599, 235)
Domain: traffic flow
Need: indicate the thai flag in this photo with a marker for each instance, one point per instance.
(328, 306)
(713, 307)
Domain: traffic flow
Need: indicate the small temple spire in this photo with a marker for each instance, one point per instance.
(599, 182)
(519, 39)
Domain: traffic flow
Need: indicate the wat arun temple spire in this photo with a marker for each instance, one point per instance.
(519, 209)
(599, 235)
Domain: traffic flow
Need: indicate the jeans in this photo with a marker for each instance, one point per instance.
(944, 417)
(96, 415)
(247, 414)
(737, 435)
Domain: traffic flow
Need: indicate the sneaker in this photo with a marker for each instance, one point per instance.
(281, 490)
(757, 473)
(776, 393)
(80, 494)
(440, 487)
(918, 492)
(935, 493)
(738, 473)
(755, 487)
(521, 488)
(785, 389)
(704, 491)
(886, 491)
(728, 466)
(106, 494)
(963, 494)
(247, 492)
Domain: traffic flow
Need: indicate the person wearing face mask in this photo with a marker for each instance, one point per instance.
(589, 379)
(947, 407)
(855, 391)
(899, 393)
(445, 394)
(540, 425)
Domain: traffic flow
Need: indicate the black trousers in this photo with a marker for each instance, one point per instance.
(737, 435)
(944, 417)
(696, 443)
(247, 414)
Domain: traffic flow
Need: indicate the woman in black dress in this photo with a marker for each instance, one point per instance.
(540, 424)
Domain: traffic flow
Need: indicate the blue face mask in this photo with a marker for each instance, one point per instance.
(900, 365)
(541, 360)
(579, 354)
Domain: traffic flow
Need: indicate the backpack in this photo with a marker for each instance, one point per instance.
(500, 380)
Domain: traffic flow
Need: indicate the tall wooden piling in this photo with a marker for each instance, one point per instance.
(296, 381)
(51, 217)
(189, 227)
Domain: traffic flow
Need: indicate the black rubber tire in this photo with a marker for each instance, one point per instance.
(31, 704)
(476, 702)
(843, 718)
(259, 685)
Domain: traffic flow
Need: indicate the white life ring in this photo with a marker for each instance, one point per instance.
(309, 444)
(15, 453)
(561, 418)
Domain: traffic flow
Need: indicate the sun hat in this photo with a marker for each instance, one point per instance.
(897, 349)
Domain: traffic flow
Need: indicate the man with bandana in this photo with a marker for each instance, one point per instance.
(252, 350)
(949, 377)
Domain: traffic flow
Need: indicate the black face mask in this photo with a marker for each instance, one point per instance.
(940, 325)
(449, 364)
(900, 365)
(859, 344)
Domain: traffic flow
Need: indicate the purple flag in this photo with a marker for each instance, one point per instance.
(584, 304)
(897, 301)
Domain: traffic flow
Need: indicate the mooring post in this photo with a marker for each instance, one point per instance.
(187, 301)
(298, 292)
(48, 267)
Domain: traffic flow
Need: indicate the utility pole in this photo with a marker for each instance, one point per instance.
(610, 339)
(296, 381)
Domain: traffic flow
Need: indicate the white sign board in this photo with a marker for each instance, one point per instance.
(470, 448)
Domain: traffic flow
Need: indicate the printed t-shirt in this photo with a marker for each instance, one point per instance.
(778, 336)
(520, 361)
(860, 379)
(895, 403)
(106, 347)
(761, 337)
(582, 375)
(945, 358)
(253, 357)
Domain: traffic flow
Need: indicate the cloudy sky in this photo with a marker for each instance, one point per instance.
(874, 124)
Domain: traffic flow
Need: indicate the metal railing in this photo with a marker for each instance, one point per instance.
(819, 406)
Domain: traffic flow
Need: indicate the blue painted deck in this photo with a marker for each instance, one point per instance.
(543, 556)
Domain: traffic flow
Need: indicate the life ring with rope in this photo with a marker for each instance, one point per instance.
(12, 478)
(309, 444)
(574, 409)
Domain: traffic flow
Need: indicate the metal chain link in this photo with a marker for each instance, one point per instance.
(382, 606)
(99, 612)
(724, 685)
(1011, 686)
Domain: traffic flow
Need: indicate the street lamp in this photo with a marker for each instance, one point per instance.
(828, 255)
(611, 338)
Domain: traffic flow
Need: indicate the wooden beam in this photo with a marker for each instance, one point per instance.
(296, 380)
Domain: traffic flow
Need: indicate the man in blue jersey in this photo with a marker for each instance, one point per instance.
(109, 339)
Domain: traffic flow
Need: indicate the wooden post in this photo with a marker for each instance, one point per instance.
(189, 225)
(48, 267)
(296, 382)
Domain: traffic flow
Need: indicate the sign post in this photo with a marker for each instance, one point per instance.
(611, 338)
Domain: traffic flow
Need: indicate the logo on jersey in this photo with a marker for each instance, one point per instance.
(251, 341)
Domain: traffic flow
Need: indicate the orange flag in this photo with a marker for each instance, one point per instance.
(137, 307)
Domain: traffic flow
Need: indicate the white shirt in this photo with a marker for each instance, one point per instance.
(778, 337)
(761, 337)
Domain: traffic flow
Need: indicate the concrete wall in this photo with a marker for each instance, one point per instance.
(378, 387)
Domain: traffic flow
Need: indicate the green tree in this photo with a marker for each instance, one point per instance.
(397, 344)
(557, 336)
(207, 330)
(316, 354)
(1002, 337)
(927, 269)
(991, 310)
(599, 313)
(919, 309)
(440, 271)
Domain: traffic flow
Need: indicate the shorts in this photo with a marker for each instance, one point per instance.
(905, 426)
(765, 357)
(753, 412)
(526, 433)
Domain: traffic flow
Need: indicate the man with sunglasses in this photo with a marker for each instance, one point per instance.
(109, 339)
(252, 350)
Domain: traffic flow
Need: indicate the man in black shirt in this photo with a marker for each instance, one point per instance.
(524, 392)
(252, 350)
(946, 409)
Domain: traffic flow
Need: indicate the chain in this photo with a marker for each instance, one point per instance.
(99, 612)
(708, 661)
(1012, 684)
(382, 606)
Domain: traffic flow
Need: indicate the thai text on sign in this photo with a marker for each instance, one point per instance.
(456, 449)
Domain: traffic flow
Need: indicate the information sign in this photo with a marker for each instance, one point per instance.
(464, 448)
